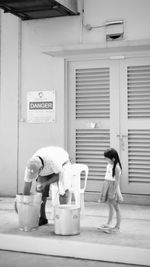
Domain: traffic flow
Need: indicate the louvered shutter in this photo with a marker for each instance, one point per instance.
(92, 93)
(138, 78)
(135, 125)
(138, 86)
(92, 101)
(90, 146)
(139, 156)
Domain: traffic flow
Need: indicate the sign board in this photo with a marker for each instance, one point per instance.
(41, 106)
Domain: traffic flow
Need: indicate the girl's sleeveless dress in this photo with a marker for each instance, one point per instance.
(108, 189)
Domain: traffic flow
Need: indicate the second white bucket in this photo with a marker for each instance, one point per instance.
(67, 220)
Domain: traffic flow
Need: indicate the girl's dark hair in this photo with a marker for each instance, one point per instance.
(112, 154)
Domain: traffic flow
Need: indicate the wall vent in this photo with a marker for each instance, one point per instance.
(39, 9)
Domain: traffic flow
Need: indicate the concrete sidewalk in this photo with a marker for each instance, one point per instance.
(131, 245)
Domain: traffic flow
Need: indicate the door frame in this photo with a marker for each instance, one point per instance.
(94, 57)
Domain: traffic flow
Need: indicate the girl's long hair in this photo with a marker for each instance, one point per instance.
(112, 154)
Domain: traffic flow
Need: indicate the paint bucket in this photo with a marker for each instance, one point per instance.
(67, 220)
(28, 208)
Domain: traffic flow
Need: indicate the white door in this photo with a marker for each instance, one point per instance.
(135, 124)
(93, 118)
(100, 107)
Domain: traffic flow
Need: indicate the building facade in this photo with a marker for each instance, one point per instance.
(81, 82)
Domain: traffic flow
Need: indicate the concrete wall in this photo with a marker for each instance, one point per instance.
(9, 105)
(135, 14)
(25, 68)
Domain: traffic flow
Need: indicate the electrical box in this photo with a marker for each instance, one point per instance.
(114, 30)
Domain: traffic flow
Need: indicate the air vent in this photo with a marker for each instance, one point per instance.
(39, 9)
(139, 156)
(90, 146)
(92, 93)
(138, 91)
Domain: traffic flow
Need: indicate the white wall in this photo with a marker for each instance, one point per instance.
(67, 30)
(42, 72)
(135, 14)
(8, 105)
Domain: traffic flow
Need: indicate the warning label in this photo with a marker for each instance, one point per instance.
(40, 105)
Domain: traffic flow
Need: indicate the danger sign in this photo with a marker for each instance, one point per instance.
(41, 106)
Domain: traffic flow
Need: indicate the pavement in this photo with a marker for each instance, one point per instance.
(129, 246)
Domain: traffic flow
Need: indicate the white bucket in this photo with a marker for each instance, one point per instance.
(67, 220)
(28, 211)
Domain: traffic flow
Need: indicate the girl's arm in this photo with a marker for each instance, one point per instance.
(116, 182)
(117, 177)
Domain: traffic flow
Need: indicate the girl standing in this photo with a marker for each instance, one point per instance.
(111, 193)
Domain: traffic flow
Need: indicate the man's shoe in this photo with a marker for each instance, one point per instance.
(42, 221)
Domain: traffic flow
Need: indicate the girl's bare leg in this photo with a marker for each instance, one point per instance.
(118, 214)
(111, 213)
(110, 216)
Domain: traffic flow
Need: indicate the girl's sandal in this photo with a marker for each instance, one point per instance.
(112, 230)
(104, 226)
(115, 229)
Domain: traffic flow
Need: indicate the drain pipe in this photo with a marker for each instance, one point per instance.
(81, 21)
(19, 93)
